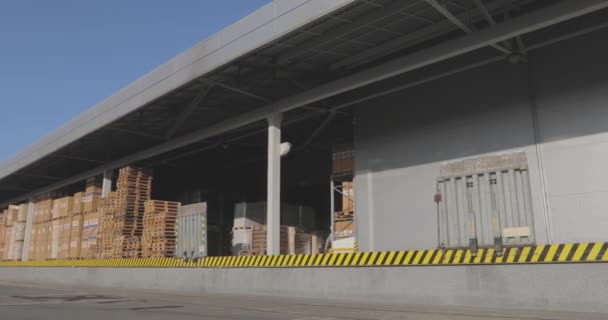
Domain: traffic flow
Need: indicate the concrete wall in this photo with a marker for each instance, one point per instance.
(401, 140)
(572, 93)
(503, 286)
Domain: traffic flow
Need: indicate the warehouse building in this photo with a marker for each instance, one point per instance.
(471, 125)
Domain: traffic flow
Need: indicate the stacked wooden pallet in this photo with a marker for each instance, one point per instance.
(299, 241)
(259, 244)
(125, 247)
(159, 235)
(121, 215)
(294, 240)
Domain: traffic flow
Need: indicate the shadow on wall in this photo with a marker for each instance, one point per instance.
(404, 138)
(488, 109)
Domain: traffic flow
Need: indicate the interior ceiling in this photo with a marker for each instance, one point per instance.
(366, 33)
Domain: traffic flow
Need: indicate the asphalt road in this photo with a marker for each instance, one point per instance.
(33, 302)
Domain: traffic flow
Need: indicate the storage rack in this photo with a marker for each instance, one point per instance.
(337, 186)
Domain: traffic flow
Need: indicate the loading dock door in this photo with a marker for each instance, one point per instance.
(485, 206)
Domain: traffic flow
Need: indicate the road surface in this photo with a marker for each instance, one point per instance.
(33, 302)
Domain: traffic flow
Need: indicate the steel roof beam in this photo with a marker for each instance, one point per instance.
(526, 23)
(343, 30)
(42, 176)
(253, 95)
(410, 39)
(11, 188)
(76, 158)
(235, 89)
(446, 13)
(578, 33)
(187, 112)
(484, 12)
(319, 129)
(135, 133)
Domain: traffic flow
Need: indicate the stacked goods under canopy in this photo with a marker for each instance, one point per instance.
(76, 227)
(92, 195)
(13, 232)
(249, 227)
(343, 200)
(121, 215)
(90, 222)
(4, 229)
(41, 230)
(61, 214)
(159, 234)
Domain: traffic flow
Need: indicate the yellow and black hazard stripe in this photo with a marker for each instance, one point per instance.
(555, 253)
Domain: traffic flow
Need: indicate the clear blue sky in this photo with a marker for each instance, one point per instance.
(60, 57)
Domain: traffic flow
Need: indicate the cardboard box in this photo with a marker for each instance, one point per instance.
(343, 159)
(348, 194)
(36, 246)
(65, 225)
(344, 228)
(91, 201)
(78, 206)
(62, 208)
(11, 215)
(89, 235)
(32, 248)
(93, 185)
(76, 237)
(45, 242)
(2, 231)
(22, 215)
(42, 212)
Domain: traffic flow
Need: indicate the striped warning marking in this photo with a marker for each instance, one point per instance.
(556, 253)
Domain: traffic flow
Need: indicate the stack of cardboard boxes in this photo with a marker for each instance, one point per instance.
(12, 232)
(2, 232)
(68, 227)
(8, 217)
(91, 200)
(40, 245)
(57, 226)
(61, 223)
(90, 222)
(76, 220)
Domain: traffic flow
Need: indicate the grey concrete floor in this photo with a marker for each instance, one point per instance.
(36, 301)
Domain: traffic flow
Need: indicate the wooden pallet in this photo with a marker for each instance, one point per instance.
(121, 222)
(293, 240)
(159, 228)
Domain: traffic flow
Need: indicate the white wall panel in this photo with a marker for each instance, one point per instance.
(401, 141)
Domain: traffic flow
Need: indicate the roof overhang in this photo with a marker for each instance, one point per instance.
(238, 77)
(263, 26)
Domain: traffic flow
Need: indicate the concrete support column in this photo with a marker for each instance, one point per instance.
(25, 256)
(106, 186)
(273, 196)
